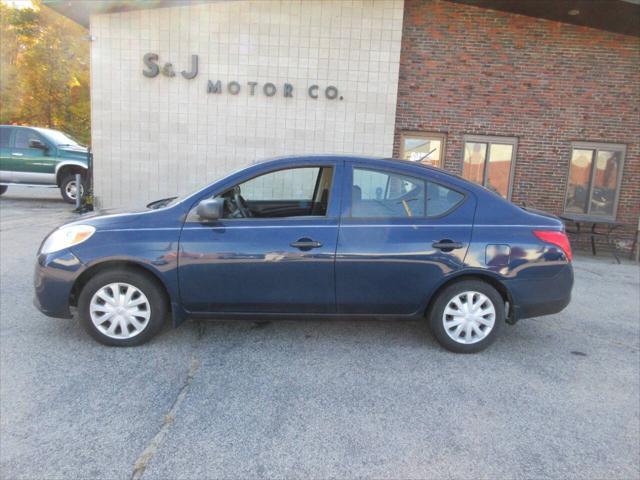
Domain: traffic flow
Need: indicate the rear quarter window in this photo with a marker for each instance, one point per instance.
(441, 199)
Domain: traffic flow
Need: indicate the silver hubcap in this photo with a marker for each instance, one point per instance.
(71, 189)
(120, 310)
(469, 317)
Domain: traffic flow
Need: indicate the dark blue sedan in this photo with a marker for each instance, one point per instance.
(312, 236)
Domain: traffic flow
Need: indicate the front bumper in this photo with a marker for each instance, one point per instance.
(535, 297)
(54, 276)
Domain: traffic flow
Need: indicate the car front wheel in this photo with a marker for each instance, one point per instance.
(467, 316)
(122, 307)
(69, 188)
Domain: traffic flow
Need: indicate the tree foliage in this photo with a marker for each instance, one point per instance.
(44, 70)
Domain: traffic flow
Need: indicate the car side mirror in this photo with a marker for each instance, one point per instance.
(38, 144)
(210, 209)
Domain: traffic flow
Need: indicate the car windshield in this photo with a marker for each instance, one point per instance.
(59, 139)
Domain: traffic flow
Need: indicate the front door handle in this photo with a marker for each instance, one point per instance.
(446, 245)
(305, 244)
(16, 154)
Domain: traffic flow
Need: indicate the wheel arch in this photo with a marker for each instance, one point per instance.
(69, 167)
(95, 269)
(502, 289)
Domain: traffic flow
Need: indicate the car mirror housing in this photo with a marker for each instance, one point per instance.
(210, 209)
(37, 144)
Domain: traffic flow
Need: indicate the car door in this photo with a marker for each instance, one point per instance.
(31, 165)
(400, 234)
(279, 261)
(5, 153)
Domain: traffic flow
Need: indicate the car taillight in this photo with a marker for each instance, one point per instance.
(559, 239)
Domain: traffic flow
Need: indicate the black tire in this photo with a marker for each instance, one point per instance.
(67, 181)
(146, 284)
(435, 316)
(3, 189)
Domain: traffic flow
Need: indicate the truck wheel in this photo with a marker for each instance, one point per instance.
(3, 188)
(69, 189)
(467, 316)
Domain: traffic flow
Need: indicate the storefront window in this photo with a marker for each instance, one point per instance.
(594, 179)
(427, 148)
(489, 162)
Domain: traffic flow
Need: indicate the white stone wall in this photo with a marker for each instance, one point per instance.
(161, 136)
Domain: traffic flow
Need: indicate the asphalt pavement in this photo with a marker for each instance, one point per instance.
(555, 397)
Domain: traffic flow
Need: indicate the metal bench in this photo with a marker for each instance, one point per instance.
(578, 227)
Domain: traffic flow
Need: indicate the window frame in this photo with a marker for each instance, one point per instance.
(489, 140)
(424, 136)
(596, 147)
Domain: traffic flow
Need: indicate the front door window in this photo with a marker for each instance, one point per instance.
(293, 192)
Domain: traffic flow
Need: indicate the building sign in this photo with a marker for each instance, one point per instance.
(233, 87)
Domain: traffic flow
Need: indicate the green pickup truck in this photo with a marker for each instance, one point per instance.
(41, 157)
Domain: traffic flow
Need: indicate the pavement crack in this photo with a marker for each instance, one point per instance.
(148, 453)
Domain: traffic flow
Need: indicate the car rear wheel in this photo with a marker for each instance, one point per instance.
(122, 308)
(3, 188)
(467, 316)
(69, 188)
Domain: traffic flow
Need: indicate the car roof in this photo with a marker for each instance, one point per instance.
(37, 129)
(371, 160)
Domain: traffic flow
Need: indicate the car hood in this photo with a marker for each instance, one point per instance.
(73, 149)
(114, 217)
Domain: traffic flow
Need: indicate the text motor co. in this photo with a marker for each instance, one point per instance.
(233, 87)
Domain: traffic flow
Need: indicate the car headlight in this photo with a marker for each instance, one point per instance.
(66, 237)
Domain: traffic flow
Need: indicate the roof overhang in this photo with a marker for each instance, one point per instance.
(80, 11)
(620, 16)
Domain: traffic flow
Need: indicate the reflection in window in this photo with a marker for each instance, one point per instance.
(499, 168)
(289, 184)
(579, 175)
(24, 136)
(594, 179)
(475, 155)
(489, 162)
(423, 148)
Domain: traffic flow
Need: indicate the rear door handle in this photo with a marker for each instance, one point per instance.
(15, 154)
(447, 245)
(305, 244)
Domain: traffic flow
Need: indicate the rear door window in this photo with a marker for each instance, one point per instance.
(384, 194)
(380, 194)
(5, 136)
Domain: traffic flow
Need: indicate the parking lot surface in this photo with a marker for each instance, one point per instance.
(555, 397)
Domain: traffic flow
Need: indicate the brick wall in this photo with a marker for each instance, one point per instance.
(468, 70)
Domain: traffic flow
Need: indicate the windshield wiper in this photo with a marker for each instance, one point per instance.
(160, 203)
